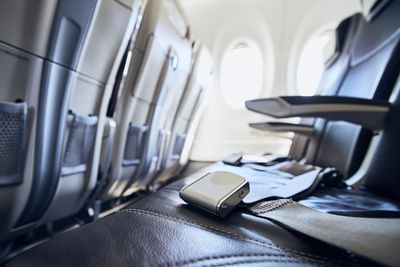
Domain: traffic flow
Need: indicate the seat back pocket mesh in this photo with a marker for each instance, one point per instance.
(178, 146)
(12, 136)
(80, 143)
(134, 145)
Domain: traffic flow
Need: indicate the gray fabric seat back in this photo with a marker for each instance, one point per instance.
(149, 97)
(25, 29)
(110, 29)
(188, 115)
(63, 70)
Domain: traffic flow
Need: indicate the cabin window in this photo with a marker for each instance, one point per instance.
(241, 75)
(318, 50)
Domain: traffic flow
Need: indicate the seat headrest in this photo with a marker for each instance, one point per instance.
(371, 36)
(371, 8)
(344, 31)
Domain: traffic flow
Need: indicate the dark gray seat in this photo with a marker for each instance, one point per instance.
(24, 34)
(51, 57)
(367, 66)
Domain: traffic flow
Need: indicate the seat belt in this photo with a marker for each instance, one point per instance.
(376, 239)
(219, 192)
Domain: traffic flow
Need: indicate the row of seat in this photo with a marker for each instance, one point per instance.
(98, 99)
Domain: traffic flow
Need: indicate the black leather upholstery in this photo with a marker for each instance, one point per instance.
(161, 230)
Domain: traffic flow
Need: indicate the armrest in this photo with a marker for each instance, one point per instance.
(302, 129)
(367, 113)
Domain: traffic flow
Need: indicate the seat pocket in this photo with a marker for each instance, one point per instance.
(80, 143)
(135, 142)
(178, 146)
(13, 118)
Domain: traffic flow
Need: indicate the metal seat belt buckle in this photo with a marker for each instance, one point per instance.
(216, 192)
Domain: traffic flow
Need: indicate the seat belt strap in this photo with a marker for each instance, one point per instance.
(376, 239)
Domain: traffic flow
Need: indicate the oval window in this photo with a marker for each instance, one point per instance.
(311, 62)
(241, 74)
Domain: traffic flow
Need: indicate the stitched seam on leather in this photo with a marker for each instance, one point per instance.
(269, 206)
(203, 226)
(279, 258)
(255, 261)
(252, 261)
(233, 235)
(237, 262)
(287, 260)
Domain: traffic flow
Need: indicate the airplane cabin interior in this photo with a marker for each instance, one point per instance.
(199, 133)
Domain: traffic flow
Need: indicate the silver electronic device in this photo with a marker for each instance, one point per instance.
(216, 192)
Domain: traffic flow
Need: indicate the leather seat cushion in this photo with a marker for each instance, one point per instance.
(161, 230)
